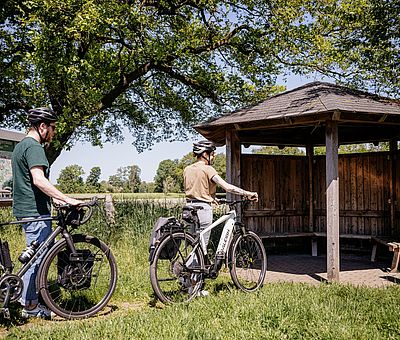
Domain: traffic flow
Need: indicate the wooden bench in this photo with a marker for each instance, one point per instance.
(393, 246)
(314, 238)
(386, 241)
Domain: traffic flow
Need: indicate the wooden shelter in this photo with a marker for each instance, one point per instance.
(300, 195)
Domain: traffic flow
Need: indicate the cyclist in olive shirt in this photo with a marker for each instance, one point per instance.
(32, 192)
(201, 180)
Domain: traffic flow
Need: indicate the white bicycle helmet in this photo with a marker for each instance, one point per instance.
(203, 146)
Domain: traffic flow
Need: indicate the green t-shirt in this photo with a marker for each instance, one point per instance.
(28, 200)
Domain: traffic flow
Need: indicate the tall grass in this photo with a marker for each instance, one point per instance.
(277, 311)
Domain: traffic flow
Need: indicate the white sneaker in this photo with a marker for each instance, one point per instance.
(39, 311)
(203, 293)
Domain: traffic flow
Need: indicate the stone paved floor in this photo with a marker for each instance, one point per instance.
(357, 270)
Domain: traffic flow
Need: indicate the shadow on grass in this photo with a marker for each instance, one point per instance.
(15, 317)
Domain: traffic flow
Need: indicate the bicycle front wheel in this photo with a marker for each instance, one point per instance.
(248, 262)
(80, 284)
(175, 272)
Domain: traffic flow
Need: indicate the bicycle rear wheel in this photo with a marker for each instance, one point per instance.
(78, 286)
(248, 262)
(175, 271)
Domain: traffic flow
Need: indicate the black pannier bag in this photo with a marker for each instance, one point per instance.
(163, 226)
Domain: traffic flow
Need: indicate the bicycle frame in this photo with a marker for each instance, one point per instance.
(226, 235)
(46, 244)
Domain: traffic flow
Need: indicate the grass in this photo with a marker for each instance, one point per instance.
(277, 311)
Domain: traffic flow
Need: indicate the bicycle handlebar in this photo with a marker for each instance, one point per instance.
(86, 207)
(88, 204)
(231, 203)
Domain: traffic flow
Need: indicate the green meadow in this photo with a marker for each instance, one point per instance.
(277, 311)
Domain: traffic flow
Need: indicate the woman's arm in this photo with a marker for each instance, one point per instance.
(233, 189)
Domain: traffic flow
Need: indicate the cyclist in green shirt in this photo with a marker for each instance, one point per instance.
(32, 192)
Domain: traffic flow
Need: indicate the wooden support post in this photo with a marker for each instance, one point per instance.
(233, 153)
(393, 198)
(109, 208)
(233, 159)
(332, 201)
(310, 156)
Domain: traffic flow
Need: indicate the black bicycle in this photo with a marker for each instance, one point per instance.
(78, 273)
(179, 264)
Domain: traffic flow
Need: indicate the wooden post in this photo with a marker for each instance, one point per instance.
(332, 201)
(109, 208)
(310, 156)
(233, 153)
(393, 198)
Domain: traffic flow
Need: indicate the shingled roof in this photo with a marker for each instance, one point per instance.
(295, 117)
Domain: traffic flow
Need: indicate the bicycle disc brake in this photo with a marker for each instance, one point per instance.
(10, 288)
(76, 273)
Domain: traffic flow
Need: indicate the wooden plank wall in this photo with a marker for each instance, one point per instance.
(282, 184)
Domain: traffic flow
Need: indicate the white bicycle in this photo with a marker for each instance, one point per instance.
(179, 264)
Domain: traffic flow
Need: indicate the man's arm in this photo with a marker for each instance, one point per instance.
(233, 189)
(42, 183)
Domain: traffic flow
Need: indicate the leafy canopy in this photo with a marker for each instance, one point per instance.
(156, 67)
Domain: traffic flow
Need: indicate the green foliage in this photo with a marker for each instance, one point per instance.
(127, 179)
(169, 174)
(146, 187)
(70, 179)
(274, 150)
(355, 148)
(154, 67)
(158, 67)
(92, 181)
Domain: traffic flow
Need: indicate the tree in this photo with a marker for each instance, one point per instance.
(92, 181)
(355, 148)
(167, 168)
(146, 187)
(134, 178)
(70, 179)
(155, 67)
(127, 179)
(275, 150)
(169, 185)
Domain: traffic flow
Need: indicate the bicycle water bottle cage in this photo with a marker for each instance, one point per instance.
(74, 270)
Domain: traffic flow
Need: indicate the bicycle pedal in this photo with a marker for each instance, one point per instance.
(5, 312)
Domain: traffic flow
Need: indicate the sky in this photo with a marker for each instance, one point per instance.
(113, 156)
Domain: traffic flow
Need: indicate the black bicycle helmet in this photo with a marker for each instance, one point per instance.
(203, 146)
(41, 114)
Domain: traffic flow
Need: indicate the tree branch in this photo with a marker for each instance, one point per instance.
(188, 81)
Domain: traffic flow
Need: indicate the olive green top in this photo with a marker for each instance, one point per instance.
(28, 200)
(198, 182)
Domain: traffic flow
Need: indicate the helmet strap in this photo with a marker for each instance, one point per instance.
(207, 159)
(42, 140)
